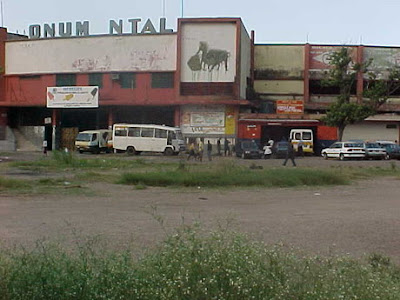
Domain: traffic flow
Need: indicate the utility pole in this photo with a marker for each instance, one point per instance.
(181, 8)
(2, 15)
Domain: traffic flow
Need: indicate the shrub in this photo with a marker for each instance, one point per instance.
(191, 264)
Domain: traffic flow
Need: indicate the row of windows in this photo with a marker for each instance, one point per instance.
(125, 79)
(145, 132)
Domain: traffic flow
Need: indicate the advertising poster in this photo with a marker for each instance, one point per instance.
(291, 107)
(73, 97)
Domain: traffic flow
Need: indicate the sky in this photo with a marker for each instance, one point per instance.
(348, 22)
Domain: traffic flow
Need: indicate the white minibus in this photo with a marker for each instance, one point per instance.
(135, 138)
(305, 136)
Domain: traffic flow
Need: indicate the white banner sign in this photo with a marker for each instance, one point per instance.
(207, 119)
(73, 97)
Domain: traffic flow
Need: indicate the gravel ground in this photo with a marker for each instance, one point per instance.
(357, 219)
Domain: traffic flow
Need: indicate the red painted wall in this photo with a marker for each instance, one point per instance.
(3, 38)
(249, 131)
(32, 91)
(327, 133)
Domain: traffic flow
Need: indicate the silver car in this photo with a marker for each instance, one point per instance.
(375, 151)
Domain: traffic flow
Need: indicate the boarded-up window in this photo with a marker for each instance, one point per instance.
(162, 80)
(96, 79)
(65, 79)
(127, 80)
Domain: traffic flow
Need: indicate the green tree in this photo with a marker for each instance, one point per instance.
(343, 75)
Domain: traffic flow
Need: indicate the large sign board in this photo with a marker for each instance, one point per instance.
(73, 97)
(291, 107)
(204, 120)
(65, 29)
(320, 56)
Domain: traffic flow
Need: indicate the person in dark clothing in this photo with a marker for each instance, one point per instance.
(290, 154)
(209, 150)
(300, 146)
(227, 151)
(219, 147)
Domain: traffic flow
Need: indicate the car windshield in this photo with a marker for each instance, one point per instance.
(373, 145)
(249, 145)
(307, 136)
(84, 137)
(353, 145)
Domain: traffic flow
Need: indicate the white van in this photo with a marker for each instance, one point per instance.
(135, 138)
(305, 136)
(94, 141)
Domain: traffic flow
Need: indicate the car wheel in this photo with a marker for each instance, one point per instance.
(341, 156)
(168, 152)
(325, 156)
(130, 150)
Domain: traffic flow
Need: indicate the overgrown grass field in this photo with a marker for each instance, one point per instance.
(191, 264)
(62, 168)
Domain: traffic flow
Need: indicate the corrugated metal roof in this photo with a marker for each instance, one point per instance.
(384, 118)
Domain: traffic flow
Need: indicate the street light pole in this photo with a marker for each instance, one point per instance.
(182, 8)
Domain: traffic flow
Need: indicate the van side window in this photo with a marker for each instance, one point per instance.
(134, 132)
(161, 133)
(297, 136)
(94, 137)
(171, 135)
(147, 132)
(121, 132)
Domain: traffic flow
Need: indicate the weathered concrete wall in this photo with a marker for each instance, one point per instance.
(9, 144)
(92, 54)
(284, 87)
(279, 62)
(371, 131)
(34, 134)
(245, 60)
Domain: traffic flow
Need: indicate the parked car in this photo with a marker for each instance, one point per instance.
(375, 151)
(248, 149)
(392, 149)
(344, 150)
(280, 149)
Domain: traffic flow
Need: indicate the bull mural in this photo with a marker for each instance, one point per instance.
(208, 60)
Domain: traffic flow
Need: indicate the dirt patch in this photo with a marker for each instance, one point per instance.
(355, 219)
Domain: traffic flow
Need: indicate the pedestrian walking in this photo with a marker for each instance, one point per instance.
(201, 150)
(45, 147)
(191, 151)
(209, 150)
(290, 154)
(219, 147)
(300, 146)
(227, 150)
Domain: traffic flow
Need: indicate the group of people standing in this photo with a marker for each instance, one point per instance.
(196, 150)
